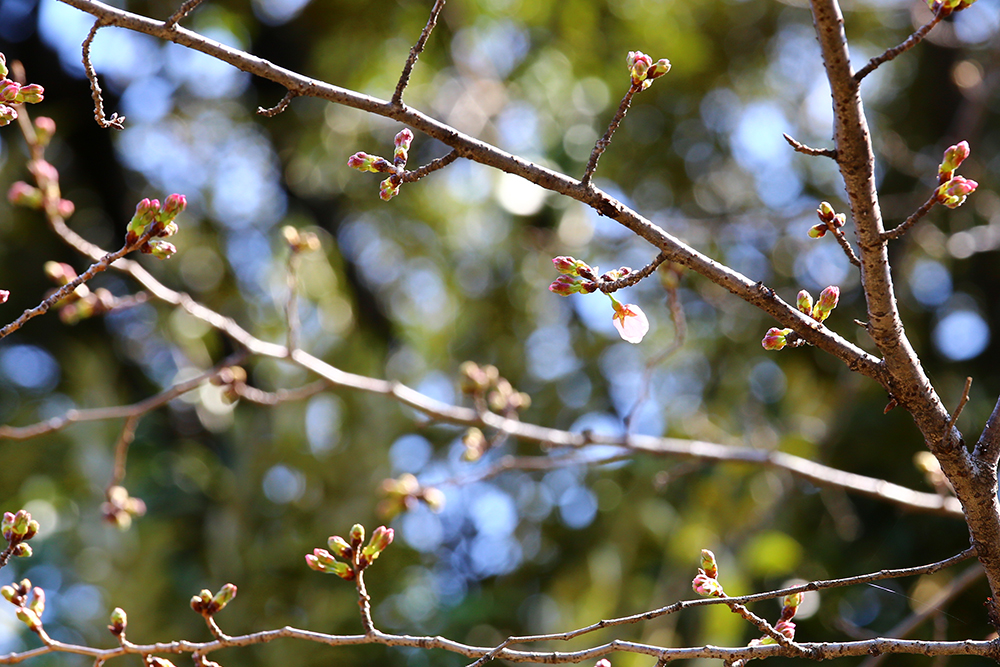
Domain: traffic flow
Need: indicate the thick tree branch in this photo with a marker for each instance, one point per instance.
(907, 381)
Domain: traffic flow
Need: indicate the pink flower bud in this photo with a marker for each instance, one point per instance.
(45, 127)
(172, 206)
(786, 628)
(65, 208)
(659, 68)
(403, 139)
(43, 171)
(339, 546)
(3, 65)
(706, 586)
(603, 662)
(9, 90)
(7, 115)
(381, 538)
(953, 192)
(775, 339)
(22, 194)
(30, 94)
(366, 162)
(387, 189)
(954, 156)
(145, 213)
(566, 265)
(630, 321)
(4, 295)
(828, 300)
(638, 64)
(804, 302)
(159, 249)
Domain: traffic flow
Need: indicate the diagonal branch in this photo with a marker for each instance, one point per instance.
(905, 46)
(404, 78)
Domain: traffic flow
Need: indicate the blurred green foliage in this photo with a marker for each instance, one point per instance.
(456, 268)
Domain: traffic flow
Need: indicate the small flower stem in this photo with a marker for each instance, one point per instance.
(605, 141)
(364, 601)
(216, 631)
(609, 286)
(904, 226)
(404, 78)
(905, 46)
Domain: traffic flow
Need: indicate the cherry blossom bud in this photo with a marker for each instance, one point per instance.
(339, 546)
(4, 295)
(119, 621)
(22, 194)
(9, 90)
(381, 538)
(30, 94)
(145, 213)
(630, 321)
(818, 231)
(168, 230)
(787, 628)
(804, 302)
(357, 535)
(45, 127)
(29, 618)
(953, 192)
(566, 265)
(224, 596)
(706, 586)
(365, 162)
(708, 563)
(172, 206)
(159, 249)
(825, 211)
(8, 592)
(659, 68)
(65, 208)
(775, 339)
(3, 65)
(23, 550)
(954, 156)
(402, 143)
(793, 600)
(603, 662)
(388, 189)
(565, 285)
(638, 64)
(7, 115)
(828, 300)
(36, 602)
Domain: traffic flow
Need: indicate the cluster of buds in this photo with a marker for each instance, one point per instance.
(298, 241)
(209, 605)
(151, 215)
(784, 626)
(47, 194)
(490, 389)
(357, 558)
(577, 276)
(948, 6)
(706, 582)
(952, 190)
(404, 493)
(120, 507)
(389, 188)
(82, 302)
(18, 528)
(29, 601)
(829, 220)
(644, 70)
(11, 92)
(776, 339)
(234, 379)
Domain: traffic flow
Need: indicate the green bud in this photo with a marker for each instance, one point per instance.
(357, 535)
(224, 596)
(29, 618)
(339, 546)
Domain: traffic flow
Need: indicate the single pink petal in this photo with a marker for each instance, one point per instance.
(631, 323)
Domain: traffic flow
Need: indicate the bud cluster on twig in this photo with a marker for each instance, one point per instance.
(357, 558)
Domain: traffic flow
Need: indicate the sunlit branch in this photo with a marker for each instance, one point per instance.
(415, 51)
(905, 46)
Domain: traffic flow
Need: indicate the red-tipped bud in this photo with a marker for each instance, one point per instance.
(357, 535)
(119, 622)
(3, 65)
(224, 596)
(365, 162)
(339, 546)
(145, 213)
(388, 189)
(825, 212)
(159, 249)
(565, 285)
(708, 563)
(566, 265)
(9, 90)
(638, 65)
(659, 68)
(804, 302)
(775, 339)
(954, 156)
(381, 538)
(828, 300)
(172, 206)
(45, 127)
(7, 115)
(818, 231)
(22, 550)
(953, 192)
(30, 94)
(706, 586)
(402, 143)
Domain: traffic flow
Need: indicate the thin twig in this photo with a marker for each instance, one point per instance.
(988, 446)
(905, 46)
(844, 244)
(632, 277)
(430, 167)
(958, 410)
(280, 106)
(182, 12)
(808, 150)
(404, 78)
(605, 141)
(904, 226)
(115, 121)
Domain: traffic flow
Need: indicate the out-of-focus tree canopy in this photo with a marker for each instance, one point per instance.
(456, 268)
